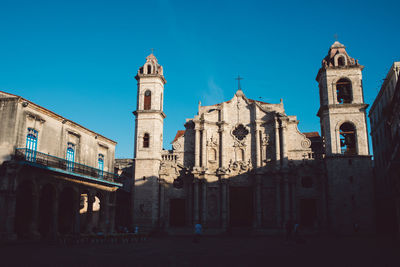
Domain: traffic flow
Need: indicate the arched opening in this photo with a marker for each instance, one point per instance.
(24, 209)
(148, 69)
(147, 100)
(348, 139)
(66, 211)
(344, 91)
(341, 61)
(146, 140)
(46, 212)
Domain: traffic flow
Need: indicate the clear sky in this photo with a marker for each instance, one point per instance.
(79, 58)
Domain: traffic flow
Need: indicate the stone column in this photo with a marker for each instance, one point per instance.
(284, 145)
(204, 148)
(106, 226)
(258, 147)
(224, 203)
(204, 202)
(76, 227)
(287, 199)
(258, 217)
(10, 216)
(195, 200)
(33, 226)
(197, 147)
(293, 194)
(54, 223)
(277, 143)
(278, 203)
(161, 220)
(221, 146)
(89, 213)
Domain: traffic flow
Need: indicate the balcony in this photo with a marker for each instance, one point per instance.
(47, 161)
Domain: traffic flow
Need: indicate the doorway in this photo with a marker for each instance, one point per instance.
(241, 206)
(177, 212)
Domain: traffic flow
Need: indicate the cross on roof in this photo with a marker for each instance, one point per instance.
(335, 36)
(238, 79)
(152, 50)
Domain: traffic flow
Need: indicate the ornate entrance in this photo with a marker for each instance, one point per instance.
(241, 206)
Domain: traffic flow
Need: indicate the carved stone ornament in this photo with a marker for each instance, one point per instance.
(239, 166)
(306, 143)
(176, 145)
(213, 142)
(239, 143)
(265, 140)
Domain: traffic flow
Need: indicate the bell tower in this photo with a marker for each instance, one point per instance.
(342, 109)
(149, 125)
(342, 113)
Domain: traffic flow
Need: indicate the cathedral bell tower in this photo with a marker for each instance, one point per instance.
(342, 109)
(342, 113)
(148, 140)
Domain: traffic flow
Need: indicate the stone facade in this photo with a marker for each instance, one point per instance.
(384, 132)
(244, 163)
(56, 176)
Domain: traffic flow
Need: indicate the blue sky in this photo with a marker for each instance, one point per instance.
(79, 58)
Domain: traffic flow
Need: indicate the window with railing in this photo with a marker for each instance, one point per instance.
(70, 156)
(31, 144)
(101, 165)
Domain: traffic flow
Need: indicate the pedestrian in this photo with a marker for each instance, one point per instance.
(296, 232)
(197, 232)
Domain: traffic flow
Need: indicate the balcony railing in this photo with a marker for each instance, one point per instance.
(47, 160)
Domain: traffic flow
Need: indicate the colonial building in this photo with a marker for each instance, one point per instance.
(244, 163)
(56, 176)
(384, 129)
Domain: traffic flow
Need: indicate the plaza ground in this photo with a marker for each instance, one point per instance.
(211, 251)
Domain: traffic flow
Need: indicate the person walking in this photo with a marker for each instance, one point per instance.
(197, 232)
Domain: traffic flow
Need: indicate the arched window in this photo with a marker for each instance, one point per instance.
(147, 100)
(148, 69)
(70, 156)
(341, 61)
(348, 139)
(146, 140)
(344, 91)
(31, 144)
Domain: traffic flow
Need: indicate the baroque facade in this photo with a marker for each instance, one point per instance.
(56, 176)
(244, 163)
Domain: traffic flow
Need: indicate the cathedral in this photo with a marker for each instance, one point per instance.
(244, 163)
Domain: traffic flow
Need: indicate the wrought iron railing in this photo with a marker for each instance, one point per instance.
(43, 159)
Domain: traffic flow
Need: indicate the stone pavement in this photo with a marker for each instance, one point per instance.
(211, 251)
